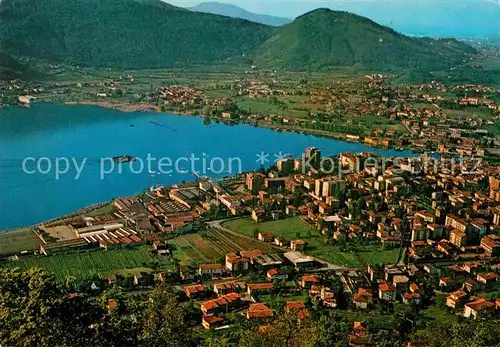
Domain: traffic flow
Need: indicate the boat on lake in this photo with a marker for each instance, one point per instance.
(123, 159)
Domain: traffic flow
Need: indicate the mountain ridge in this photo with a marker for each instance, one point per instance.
(153, 34)
(323, 37)
(233, 11)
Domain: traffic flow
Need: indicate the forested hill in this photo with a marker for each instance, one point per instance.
(150, 33)
(124, 33)
(325, 38)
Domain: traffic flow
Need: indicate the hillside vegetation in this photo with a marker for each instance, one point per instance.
(124, 33)
(324, 38)
(151, 34)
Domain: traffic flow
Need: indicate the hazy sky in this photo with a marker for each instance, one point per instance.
(425, 17)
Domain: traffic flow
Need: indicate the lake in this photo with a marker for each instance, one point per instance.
(36, 137)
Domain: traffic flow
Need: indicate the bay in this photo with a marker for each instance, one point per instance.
(81, 132)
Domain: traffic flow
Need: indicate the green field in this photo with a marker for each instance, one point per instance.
(84, 265)
(374, 254)
(295, 228)
(290, 228)
(18, 240)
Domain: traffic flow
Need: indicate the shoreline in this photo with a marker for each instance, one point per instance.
(123, 107)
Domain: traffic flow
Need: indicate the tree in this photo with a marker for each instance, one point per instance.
(121, 324)
(332, 330)
(37, 311)
(284, 331)
(166, 323)
(255, 232)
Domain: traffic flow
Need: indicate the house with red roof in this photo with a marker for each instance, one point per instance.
(259, 288)
(363, 298)
(276, 275)
(259, 310)
(222, 304)
(478, 308)
(210, 321)
(387, 291)
(196, 291)
(308, 281)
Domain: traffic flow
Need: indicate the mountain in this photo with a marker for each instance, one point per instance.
(237, 12)
(10, 67)
(324, 38)
(150, 34)
(124, 33)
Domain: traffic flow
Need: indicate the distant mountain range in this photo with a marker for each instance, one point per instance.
(237, 12)
(151, 34)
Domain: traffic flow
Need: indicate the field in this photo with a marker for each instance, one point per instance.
(295, 228)
(290, 228)
(18, 240)
(374, 254)
(84, 265)
(212, 245)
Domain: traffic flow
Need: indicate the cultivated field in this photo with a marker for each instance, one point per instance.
(19, 240)
(84, 265)
(211, 245)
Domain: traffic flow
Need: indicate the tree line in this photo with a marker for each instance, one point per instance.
(36, 310)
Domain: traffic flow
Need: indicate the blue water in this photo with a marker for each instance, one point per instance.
(52, 131)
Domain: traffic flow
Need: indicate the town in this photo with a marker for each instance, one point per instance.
(382, 234)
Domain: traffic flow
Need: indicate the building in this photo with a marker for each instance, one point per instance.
(211, 270)
(276, 275)
(210, 321)
(456, 299)
(222, 304)
(285, 166)
(309, 281)
(387, 292)
(458, 238)
(259, 310)
(300, 261)
(267, 261)
(312, 158)
(363, 298)
(491, 245)
(160, 247)
(224, 288)
(236, 263)
(196, 291)
(457, 223)
(259, 288)
(478, 308)
(254, 182)
(265, 237)
(487, 279)
(294, 306)
(275, 185)
(297, 245)
(410, 298)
